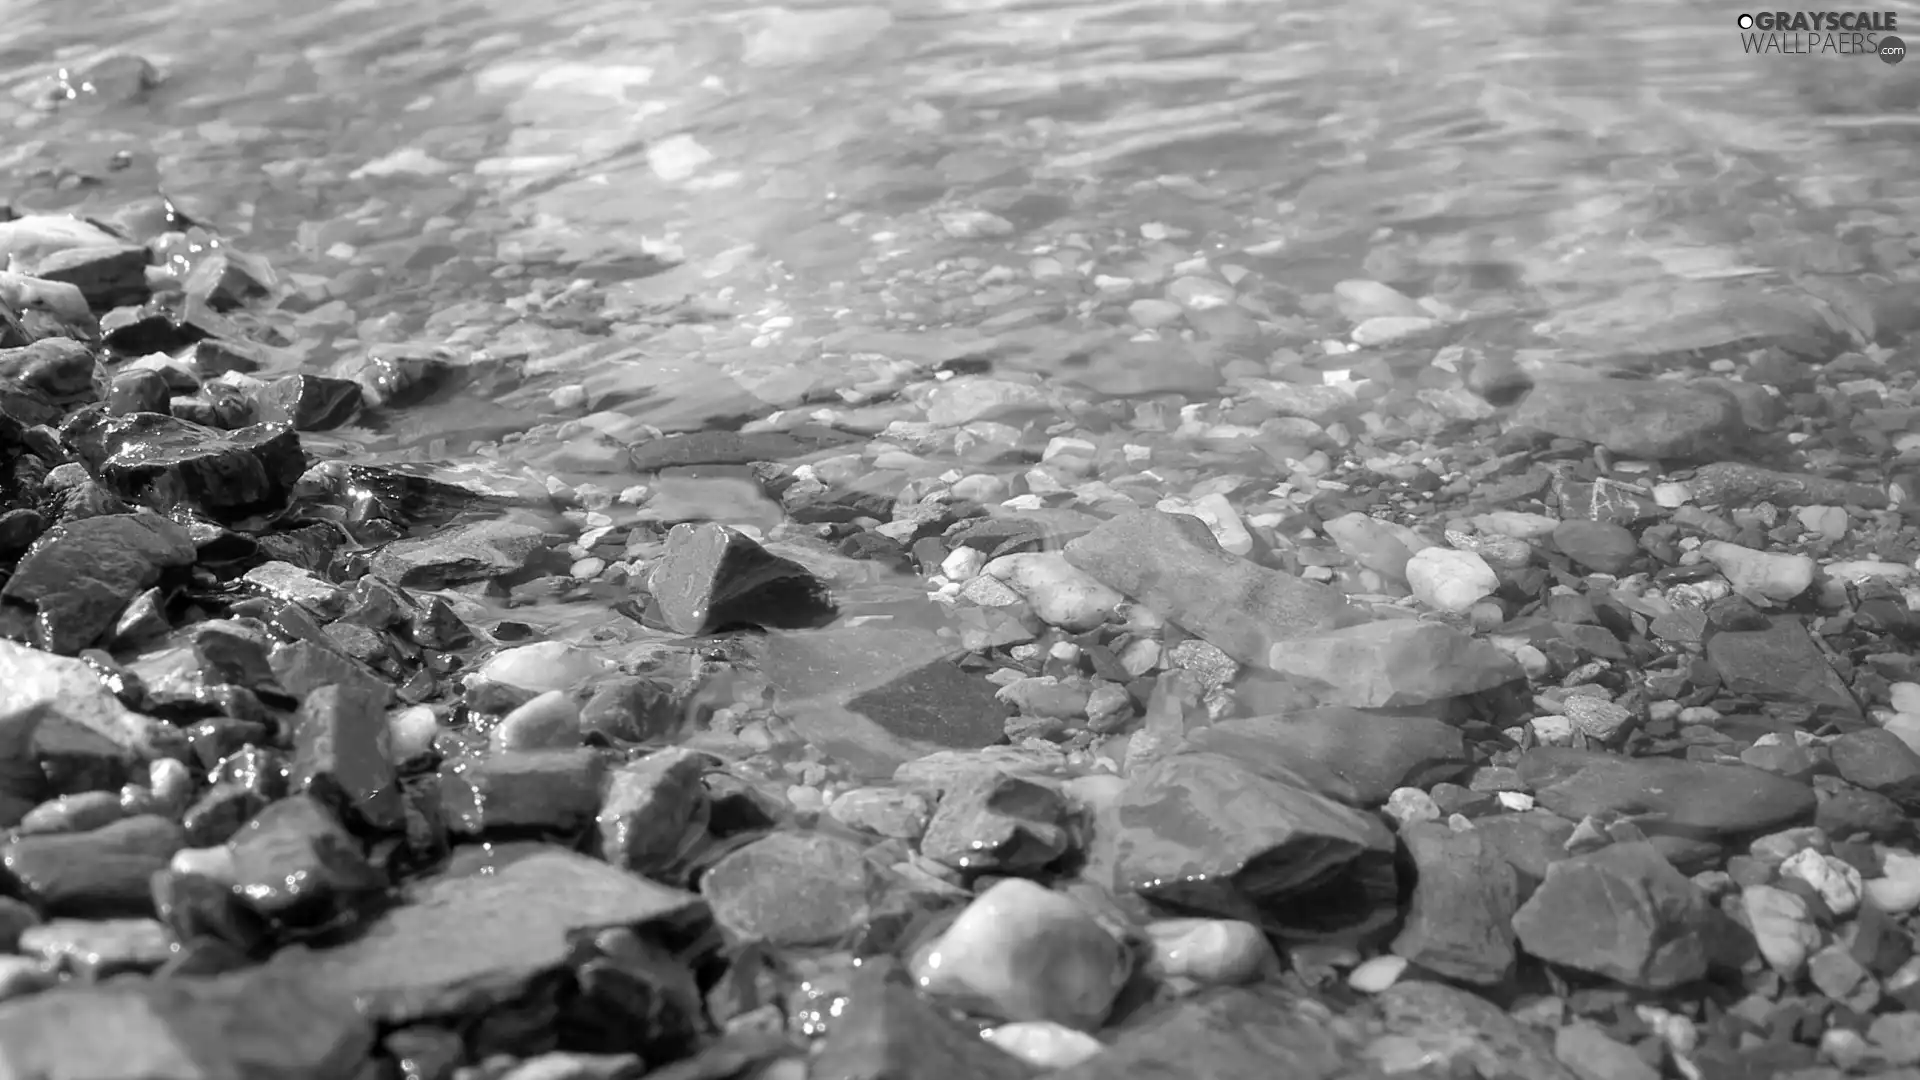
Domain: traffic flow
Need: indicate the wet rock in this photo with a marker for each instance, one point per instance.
(1597, 545)
(164, 462)
(1781, 663)
(994, 822)
(1392, 663)
(556, 790)
(1172, 564)
(343, 756)
(1592, 1055)
(1459, 923)
(792, 889)
(40, 692)
(102, 872)
(1219, 952)
(1637, 419)
(1432, 1025)
(886, 1031)
(458, 555)
(1204, 833)
(542, 667)
(527, 901)
(295, 864)
(1778, 576)
(1626, 913)
(79, 576)
(252, 1023)
(1879, 761)
(1240, 1034)
(549, 721)
(892, 812)
(713, 578)
(1448, 580)
(309, 402)
(1060, 594)
(1373, 753)
(60, 368)
(649, 807)
(637, 709)
(733, 447)
(1021, 951)
(94, 949)
(1682, 796)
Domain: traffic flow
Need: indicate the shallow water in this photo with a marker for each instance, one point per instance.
(672, 215)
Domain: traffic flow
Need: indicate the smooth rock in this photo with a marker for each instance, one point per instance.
(1694, 796)
(1392, 663)
(1447, 579)
(1372, 753)
(1654, 420)
(1775, 575)
(1060, 593)
(1024, 952)
(791, 889)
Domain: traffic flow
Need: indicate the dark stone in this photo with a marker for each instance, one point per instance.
(649, 807)
(1879, 761)
(302, 667)
(1460, 921)
(217, 815)
(309, 402)
(638, 709)
(102, 873)
(193, 906)
(555, 790)
(164, 462)
(296, 864)
(343, 756)
(1781, 663)
(106, 274)
(1369, 754)
(137, 392)
(60, 368)
(81, 575)
(937, 702)
(1685, 797)
(995, 823)
(713, 578)
(792, 889)
(732, 447)
(885, 1031)
(457, 555)
(1597, 545)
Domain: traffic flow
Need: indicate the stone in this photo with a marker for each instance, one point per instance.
(1372, 753)
(1685, 796)
(1783, 928)
(95, 949)
(163, 462)
(1172, 564)
(104, 872)
(1626, 913)
(1430, 1025)
(1881, 762)
(528, 902)
(712, 578)
(253, 1023)
(542, 667)
(79, 576)
(990, 821)
(1459, 923)
(549, 721)
(1778, 576)
(1447, 579)
(732, 447)
(883, 1030)
(649, 807)
(898, 813)
(1781, 663)
(307, 402)
(1219, 952)
(343, 755)
(791, 889)
(1061, 594)
(458, 555)
(1656, 420)
(1392, 663)
(1207, 834)
(1253, 1033)
(41, 692)
(1592, 1054)
(295, 863)
(1043, 1044)
(554, 790)
(1021, 951)
(1600, 546)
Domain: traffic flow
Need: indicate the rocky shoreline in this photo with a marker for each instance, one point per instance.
(1186, 716)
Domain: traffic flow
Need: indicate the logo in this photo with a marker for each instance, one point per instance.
(1823, 33)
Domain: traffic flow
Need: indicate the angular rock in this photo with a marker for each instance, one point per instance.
(1172, 564)
(295, 863)
(791, 889)
(309, 402)
(61, 368)
(1393, 663)
(1205, 833)
(1626, 913)
(713, 578)
(555, 790)
(464, 553)
(39, 690)
(1371, 753)
(102, 872)
(1781, 663)
(80, 576)
(1881, 762)
(649, 806)
(164, 462)
(343, 755)
(1432, 1025)
(733, 447)
(989, 821)
(255, 1024)
(1460, 921)
(1239, 1034)
(1635, 419)
(527, 902)
(1682, 797)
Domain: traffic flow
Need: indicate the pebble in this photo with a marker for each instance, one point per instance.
(1450, 580)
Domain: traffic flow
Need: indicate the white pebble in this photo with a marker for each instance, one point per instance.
(1377, 974)
(1837, 882)
(1044, 1044)
(1409, 804)
(1448, 579)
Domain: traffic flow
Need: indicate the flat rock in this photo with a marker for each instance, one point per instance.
(1635, 419)
(1432, 1024)
(1393, 663)
(1206, 833)
(36, 686)
(256, 1024)
(1626, 913)
(1881, 762)
(555, 790)
(1173, 565)
(791, 889)
(994, 822)
(1239, 1034)
(1370, 753)
(1460, 921)
(343, 754)
(106, 871)
(80, 576)
(1781, 663)
(164, 462)
(462, 554)
(1688, 797)
(734, 448)
(526, 902)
